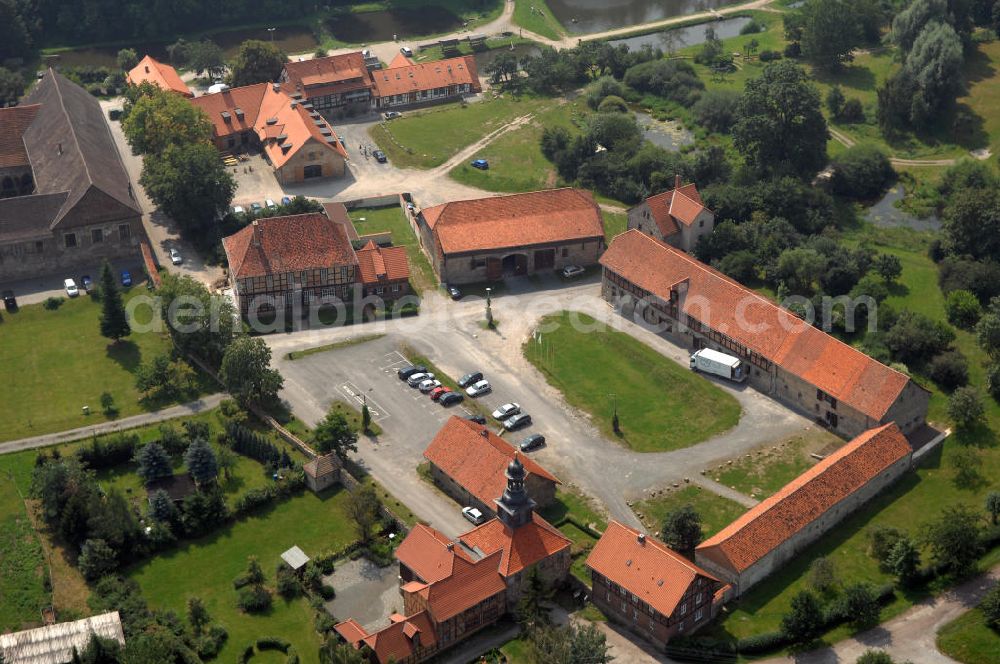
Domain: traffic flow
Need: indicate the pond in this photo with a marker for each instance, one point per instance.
(667, 134)
(291, 39)
(582, 16)
(380, 26)
(885, 214)
(671, 40)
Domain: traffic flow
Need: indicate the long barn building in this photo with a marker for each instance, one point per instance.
(698, 307)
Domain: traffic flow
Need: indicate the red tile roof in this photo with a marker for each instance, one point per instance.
(287, 244)
(395, 643)
(806, 498)
(351, 631)
(335, 74)
(517, 220)
(755, 322)
(520, 548)
(247, 98)
(400, 61)
(382, 264)
(159, 74)
(477, 459)
(429, 553)
(670, 209)
(15, 121)
(426, 76)
(338, 213)
(650, 570)
(470, 583)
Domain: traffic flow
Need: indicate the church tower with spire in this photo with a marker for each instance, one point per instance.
(515, 506)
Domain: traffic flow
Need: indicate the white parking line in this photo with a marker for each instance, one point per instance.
(395, 358)
(353, 392)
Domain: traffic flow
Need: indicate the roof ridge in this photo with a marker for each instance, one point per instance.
(661, 546)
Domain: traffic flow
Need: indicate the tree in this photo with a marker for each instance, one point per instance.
(862, 172)
(988, 333)
(853, 112)
(99, 650)
(965, 408)
(246, 371)
(861, 604)
(967, 463)
(915, 338)
(163, 377)
(909, 23)
(990, 607)
(366, 418)
(199, 323)
(159, 119)
(201, 462)
(153, 462)
(954, 540)
(805, 618)
(822, 574)
(11, 86)
(206, 56)
(335, 435)
(227, 461)
(202, 511)
(531, 611)
(256, 62)
(127, 59)
(161, 507)
(571, 644)
(935, 65)
(197, 615)
(364, 508)
(800, 269)
(97, 559)
(333, 651)
(114, 320)
(993, 506)
(255, 573)
(780, 128)
(682, 529)
(888, 266)
(830, 31)
(904, 561)
(950, 369)
(717, 109)
(835, 101)
(189, 183)
(15, 39)
(963, 309)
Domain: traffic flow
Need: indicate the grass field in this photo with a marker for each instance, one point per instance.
(392, 219)
(615, 223)
(594, 369)
(968, 640)
(715, 511)
(428, 138)
(206, 568)
(22, 564)
(53, 362)
(769, 469)
(535, 15)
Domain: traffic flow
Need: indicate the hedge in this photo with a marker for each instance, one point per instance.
(107, 454)
(273, 643)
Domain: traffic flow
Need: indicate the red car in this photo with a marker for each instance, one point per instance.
(438, 391)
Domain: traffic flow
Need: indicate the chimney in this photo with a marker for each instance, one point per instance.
(484, 433)
(256, 233)
(451, 546)
(641, 538)
(59, 148)
(677, 181)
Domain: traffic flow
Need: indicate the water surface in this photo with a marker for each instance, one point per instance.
(672, 40)
(581, 16)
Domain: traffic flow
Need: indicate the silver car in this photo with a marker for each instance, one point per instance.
(418, 378)
(428, 385)
(506, 410)
(479, 388)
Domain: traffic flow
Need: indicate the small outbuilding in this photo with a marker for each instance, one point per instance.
(296, 559)
(54, 644)
(322, 472)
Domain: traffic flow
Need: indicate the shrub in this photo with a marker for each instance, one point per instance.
(862, 172)
(247, 654)
(965, 408)
(273, 643)
(612, 104)
(963, 309)
(53, 303)
(716, 110)
(324, 622)
(769, 56)
(852, 112)
(871, 656)
(287, 584)
(753, 27)
(761, 643)
(793, 50)
(254, 599)
(211, 642)
(822, 574)
(254, 499)
(675, 80)
(102, 454)
(950, 370)
(881, 540)
(990, 607)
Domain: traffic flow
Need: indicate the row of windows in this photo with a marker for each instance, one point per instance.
(97, 236)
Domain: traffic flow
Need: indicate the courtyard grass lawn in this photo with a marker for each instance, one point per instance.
(392, 219)
(53, 362)
(570, 502)
(22, 563)
(535, 16)
(715, 511)
(969, 640)
(599, 367)
(206, 568)
(615, 223)
(428, 138)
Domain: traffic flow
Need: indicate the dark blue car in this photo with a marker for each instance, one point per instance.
(126, 278)
(481, 164)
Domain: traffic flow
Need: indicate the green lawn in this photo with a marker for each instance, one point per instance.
(535, 16)
(22, 565)
(392, 219)
(968, 639)
(428, 138)
(599, 367)
(53, 362)
(570, 502)
(615, 223)
(715, 511)
(206, 568)
(769, 469)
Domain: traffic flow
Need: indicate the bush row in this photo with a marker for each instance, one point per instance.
(293, 482)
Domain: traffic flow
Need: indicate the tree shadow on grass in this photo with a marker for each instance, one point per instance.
(979, 435)
(126, 353)
(850, 77)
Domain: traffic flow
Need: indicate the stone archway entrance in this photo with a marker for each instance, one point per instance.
(515, 265)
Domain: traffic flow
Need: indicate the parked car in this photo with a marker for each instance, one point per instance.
(571, 271)
(451, 398)
(454, 293)
(427, 385)
(407, 51)
(86, 283)
(126, 278)
(175, 257)
(506, 410)
(517, 421)
(238, 209)
(418, 378)
(9, 301)
(286, 200)
(479, 388)
(392, 115)
(478, 419)
(255, 208)
(481, 164)
(405, 372)
(532, 442)
(380, 156)
(268, 203)
(71, 288)
(470, 378)
(473, 515)
(439, 392)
